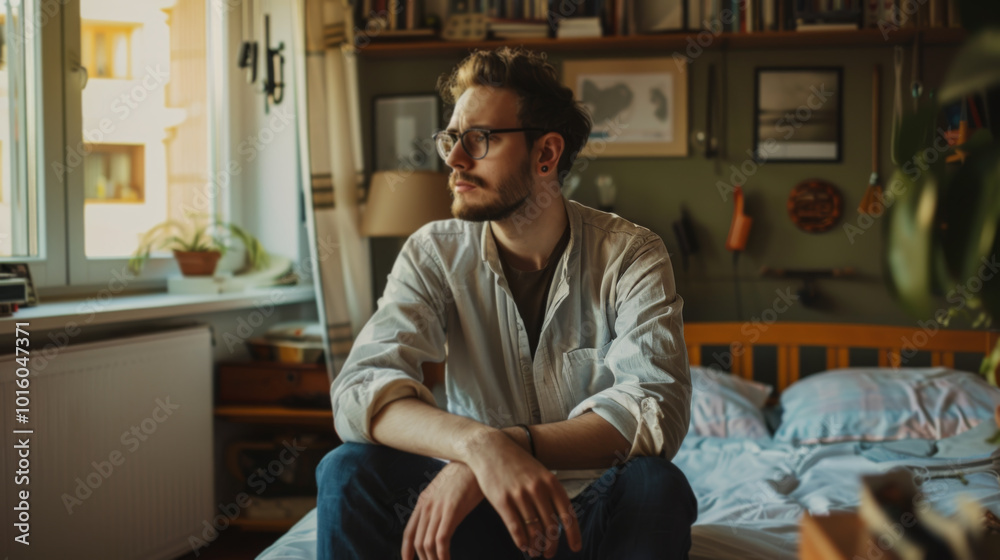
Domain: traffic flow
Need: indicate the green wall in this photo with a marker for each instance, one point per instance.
(651, 191)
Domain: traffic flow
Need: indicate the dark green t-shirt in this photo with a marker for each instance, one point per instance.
(531, 290)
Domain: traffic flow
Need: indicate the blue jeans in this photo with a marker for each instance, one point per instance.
(641, 510)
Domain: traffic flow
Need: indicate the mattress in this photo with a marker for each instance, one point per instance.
(752, 493)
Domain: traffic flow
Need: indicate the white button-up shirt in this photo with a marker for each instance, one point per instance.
(611, 341)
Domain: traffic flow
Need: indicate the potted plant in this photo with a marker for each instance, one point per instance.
(942, 226)
(197, 245)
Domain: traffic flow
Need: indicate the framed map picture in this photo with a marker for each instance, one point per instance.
(638, 106)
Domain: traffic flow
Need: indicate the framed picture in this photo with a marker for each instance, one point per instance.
(798, 115)
(403, 125)
(638, 106)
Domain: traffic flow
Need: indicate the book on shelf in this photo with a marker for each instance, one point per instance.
(893, 14)
(749, 16)
(516, 19)
(517, 28)
(581, 22)
(828, 15)
(654, 16)
(389, 20)
(579, 27)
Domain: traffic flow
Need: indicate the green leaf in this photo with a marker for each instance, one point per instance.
(988, 367)
(196, 242)
(200, 232)
(960, 194)
(975, 68)
(256, 254)
(909, 240)
(976, 240)
(176, 242)
(914, 135)
(995, 440)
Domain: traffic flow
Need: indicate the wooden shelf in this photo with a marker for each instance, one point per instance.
(674, 42)
(276, 415)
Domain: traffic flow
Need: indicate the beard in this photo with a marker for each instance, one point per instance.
(512, 192)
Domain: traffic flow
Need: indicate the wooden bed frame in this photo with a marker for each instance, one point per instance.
(892, 343)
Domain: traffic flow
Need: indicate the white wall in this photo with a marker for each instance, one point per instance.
(263, 150)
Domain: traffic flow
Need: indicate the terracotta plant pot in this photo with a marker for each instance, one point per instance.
(197, 263)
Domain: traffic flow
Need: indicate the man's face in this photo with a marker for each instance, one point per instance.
(492, 188)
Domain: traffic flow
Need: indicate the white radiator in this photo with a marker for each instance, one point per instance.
(140, 408)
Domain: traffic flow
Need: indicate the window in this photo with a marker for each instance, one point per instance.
(106, 49)
(124, 96)
(144, 124)
(114, 173)
(19, 202)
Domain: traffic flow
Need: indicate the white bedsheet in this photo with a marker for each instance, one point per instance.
(752, 493)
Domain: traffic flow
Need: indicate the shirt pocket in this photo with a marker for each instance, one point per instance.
(584, 373)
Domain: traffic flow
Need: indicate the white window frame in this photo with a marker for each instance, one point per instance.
(43, 45)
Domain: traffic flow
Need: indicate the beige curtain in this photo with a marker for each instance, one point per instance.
(337, 166)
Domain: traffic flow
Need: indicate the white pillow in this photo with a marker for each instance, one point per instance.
(723, 405)
(880, 404)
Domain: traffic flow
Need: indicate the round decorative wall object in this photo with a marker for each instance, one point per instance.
(814, 205)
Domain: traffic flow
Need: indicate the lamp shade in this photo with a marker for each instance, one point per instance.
(400, 202)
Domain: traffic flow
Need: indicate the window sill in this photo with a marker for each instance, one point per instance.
(92, 311)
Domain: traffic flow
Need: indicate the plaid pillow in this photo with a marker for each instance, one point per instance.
(880, 404)
(723, 405)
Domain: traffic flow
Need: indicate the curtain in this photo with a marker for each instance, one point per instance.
(337, 166)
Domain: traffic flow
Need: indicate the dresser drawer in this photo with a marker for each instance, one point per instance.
(273, 383)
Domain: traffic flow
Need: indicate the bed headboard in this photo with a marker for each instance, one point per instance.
(838, 339)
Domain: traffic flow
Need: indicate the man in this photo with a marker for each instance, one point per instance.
(564, 353)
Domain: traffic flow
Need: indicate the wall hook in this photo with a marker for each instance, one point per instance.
(274, 81)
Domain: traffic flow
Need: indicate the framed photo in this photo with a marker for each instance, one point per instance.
(798, 115)
(638, 106)
(403, 125)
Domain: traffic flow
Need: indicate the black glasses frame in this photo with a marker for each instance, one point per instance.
(486, 131)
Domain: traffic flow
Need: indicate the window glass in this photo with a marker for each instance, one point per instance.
(146, 156)
(19, 210)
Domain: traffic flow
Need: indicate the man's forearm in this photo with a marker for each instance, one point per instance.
(414, 426)
(585, 442)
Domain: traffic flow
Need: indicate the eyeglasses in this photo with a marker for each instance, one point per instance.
(476, 141)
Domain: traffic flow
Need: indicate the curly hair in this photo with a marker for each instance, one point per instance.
(543, 102)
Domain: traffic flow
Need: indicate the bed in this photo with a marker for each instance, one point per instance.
(755, 481)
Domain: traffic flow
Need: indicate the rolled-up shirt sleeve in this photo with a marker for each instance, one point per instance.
(406, 330)
(650, 400)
